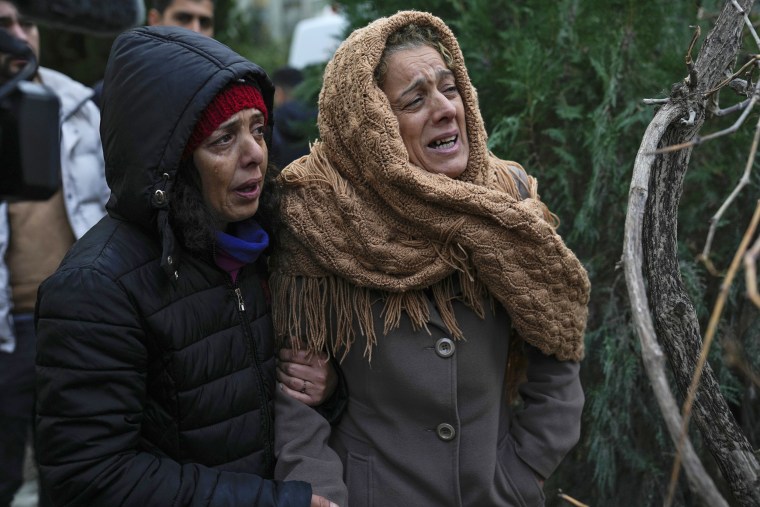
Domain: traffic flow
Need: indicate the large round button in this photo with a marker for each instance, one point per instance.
(445, 347)
(445, 432)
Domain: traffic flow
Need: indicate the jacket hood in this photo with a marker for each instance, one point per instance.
(158, 81)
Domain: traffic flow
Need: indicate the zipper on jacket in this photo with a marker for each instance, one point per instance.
(241, 303)
(267, 417)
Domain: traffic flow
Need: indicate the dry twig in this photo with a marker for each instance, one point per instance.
(747, 22)
(733, 76)
(750, 259)
(691, 80)
(744, 181)
(570, 500)
(730, 130)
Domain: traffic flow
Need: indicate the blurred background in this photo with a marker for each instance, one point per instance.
(561, 84)
(261, 30)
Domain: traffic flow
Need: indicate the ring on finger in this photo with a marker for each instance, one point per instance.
(303, 388)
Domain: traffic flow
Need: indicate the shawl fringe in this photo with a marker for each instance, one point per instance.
(307, 307)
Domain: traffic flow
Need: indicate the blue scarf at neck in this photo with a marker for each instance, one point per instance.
(245, 241)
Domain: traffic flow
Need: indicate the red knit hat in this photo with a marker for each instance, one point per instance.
(235, 97)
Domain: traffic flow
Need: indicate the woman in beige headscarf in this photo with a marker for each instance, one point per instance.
(426, 265)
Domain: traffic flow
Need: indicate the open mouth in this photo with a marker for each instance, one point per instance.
(248, 189)
(444, 143)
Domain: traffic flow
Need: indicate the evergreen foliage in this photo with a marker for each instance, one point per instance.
(560, 85)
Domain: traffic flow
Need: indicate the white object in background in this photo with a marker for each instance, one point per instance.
(316, 39)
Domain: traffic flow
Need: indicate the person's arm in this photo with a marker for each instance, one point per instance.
(91, 393)
(548, 425)
(302, 451)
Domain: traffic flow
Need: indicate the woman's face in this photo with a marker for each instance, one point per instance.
(232, 163)
(425, 99)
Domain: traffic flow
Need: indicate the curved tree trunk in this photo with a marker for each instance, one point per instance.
(700, 483)
(674, 315)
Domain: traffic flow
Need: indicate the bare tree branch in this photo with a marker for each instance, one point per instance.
(650, 102)
(733, 76)
(652, 356)
(570, 500)
(747, 22)
(656, 189)
(744, 181)
(729, 130)
(732, 109)
(674, 315)
(750, 259)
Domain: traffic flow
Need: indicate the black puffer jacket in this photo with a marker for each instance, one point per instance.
(155, 370)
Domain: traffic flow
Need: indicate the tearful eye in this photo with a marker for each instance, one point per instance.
(417, 101)
(450, 90)
(223, 139)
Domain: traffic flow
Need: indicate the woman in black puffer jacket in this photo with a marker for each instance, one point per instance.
(156, 369)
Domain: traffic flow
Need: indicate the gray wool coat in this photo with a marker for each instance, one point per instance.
(427, 423)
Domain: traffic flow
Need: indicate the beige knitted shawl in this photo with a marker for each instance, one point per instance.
(363, 223)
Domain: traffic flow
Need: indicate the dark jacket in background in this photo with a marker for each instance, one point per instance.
(294, 120)
(156, 370)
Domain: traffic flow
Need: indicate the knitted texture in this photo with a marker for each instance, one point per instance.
(363, 221)
(233, 98)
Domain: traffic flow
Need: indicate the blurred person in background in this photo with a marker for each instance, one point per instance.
(195, 15)
(295, 119)
(156, 360)
(34, 236)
